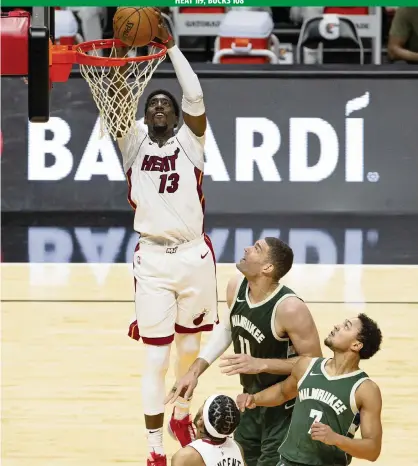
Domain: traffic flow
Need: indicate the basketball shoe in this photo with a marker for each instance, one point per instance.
(157, 460)
(182, 430)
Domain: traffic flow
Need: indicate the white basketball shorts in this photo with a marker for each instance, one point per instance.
(175, 291)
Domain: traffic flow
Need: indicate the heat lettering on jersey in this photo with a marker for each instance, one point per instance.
(229, 462)
(322, 395)
(153, 163)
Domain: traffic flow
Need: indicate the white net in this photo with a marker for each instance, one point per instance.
(116, 90)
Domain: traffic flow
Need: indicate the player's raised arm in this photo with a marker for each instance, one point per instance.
(192, 103)
(369, 400)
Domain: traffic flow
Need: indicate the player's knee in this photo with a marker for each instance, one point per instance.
(157, 359)
(188, 345)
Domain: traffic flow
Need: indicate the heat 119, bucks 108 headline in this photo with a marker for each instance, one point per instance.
(211, 2)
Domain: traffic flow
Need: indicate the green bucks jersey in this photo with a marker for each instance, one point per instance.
(253, 333)
(326, 399)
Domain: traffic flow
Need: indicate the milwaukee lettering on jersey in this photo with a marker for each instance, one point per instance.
(322, 395)
(153, 163)
(241, 321)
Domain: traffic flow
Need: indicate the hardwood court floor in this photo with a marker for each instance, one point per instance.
(71, 378)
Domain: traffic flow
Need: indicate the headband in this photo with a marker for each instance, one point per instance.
(209, 427)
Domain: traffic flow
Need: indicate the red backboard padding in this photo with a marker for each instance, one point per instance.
(14, 43)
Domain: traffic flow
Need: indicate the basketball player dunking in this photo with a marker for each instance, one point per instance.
(174, 264)
(334, 398)
(215, 422)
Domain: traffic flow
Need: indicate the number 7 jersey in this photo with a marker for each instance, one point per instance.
(165, 184)
(326, 399)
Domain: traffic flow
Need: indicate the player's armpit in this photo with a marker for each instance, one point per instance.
(369, 401)
(187, 456)
(295, 320)
(197, 124)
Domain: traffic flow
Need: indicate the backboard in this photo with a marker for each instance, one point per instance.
(25, 39)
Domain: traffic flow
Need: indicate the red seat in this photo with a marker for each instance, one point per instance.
(349, 10)
(255, 44)
(202, 10)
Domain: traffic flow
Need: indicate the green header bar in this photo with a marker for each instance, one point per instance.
(206, 3)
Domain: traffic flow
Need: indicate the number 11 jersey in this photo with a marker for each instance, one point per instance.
(253, 332)
(165, 185)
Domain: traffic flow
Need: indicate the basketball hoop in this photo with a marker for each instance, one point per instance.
(117, 104)
(116, 83)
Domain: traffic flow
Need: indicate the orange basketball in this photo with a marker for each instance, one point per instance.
(135, 27)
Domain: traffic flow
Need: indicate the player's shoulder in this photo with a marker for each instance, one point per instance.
(136, 136)
(304, 364)
(368, 388)
(186, 456)
(186, 134)
(291, 307)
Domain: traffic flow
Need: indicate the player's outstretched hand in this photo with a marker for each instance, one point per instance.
(323, 433)
(240, 364)
(183, 387)
(163, 32)
(245, 401)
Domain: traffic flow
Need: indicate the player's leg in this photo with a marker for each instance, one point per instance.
(197, 312)
(276, 422)
(187, 348)
(248, 435)
(156, 309)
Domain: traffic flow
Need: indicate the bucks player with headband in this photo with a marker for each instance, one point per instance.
(268, 325)
(174, 266)
(215, 422)
(334, 398)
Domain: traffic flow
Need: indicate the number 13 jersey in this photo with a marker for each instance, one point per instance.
(165, 185)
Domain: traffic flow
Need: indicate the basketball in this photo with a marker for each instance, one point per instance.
(135, 27)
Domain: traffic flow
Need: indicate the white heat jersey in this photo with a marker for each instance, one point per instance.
(165, 185)
(226, 454)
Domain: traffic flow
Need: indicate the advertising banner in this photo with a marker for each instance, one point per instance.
(97, 239)
(273, 146)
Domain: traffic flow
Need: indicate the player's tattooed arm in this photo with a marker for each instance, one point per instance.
(277, 394)
(369, 402)
(187, 456)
